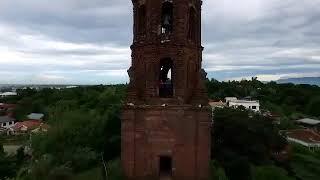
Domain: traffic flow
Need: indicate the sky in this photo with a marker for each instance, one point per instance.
(87, 41)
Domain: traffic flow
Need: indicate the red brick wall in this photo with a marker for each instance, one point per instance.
(182, 132)
(181, 129)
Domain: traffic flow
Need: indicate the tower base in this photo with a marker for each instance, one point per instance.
(166, 143)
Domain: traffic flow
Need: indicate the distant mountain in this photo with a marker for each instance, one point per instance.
(303, 80)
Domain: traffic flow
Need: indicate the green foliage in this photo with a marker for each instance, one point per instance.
(46, 169)
(115, 170)
(270, 172)
(84, 123)
(241, 138)
(285, 99)
(305, 163)
(92, 174)
(1, 150)
(20, 156)
(7, 165)
(235, 133)
(313, 107)
(217, 172)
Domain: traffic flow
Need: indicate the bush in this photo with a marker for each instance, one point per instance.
(270, 172)
(115, 170)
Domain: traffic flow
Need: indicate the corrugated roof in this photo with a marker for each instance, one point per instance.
(309, 121)
(8, 94)
(36, 116)
(4, 119)
(304, 135)
(31, 124)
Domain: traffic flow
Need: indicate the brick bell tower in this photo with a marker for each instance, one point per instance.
(166, 120)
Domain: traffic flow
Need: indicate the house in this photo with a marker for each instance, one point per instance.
(7, 109)
(274, 117)
(6, 122)
(253, 105)
(304, 137)
(217, 104)
(36, 116)
(2, 130)
(309, 123)
(228, 99)
(29, 126)
(6, 94)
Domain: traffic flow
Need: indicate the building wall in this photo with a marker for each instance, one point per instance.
(247, 105)
(7, 124)
(182, 133)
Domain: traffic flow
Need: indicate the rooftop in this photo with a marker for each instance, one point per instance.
(35, 116)
(30, 124)
(243, 101)
(216, 103)
(309, 121)
(4, 119)
(8, 94)
(304, 135)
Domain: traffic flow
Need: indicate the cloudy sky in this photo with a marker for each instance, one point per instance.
(87, 41)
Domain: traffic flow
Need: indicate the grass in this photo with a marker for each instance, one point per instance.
(306, 164)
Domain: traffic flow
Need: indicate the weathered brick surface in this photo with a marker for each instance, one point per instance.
(181, 132)
(181, 128)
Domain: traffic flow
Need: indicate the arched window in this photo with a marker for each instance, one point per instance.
(165, 78)
(193, 25)
(167, 17)
(141, 24)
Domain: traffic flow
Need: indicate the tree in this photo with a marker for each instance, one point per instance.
(7, 165)
(20, 156)
(241, 138)
(270, 172)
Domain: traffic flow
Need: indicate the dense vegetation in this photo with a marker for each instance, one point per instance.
(286, 99)
(85, 129)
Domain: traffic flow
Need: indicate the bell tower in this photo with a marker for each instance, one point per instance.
(166, 120)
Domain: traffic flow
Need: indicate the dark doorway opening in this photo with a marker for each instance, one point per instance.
(165, 165)
(165, 79)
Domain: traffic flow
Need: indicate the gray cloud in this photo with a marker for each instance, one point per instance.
(81, 41)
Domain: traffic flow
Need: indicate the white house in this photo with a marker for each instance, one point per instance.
(6, 94)
(6, 122)
(234, 102)
(228, 99)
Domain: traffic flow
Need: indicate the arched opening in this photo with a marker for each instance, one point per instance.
(141, 24)
(192, 33)
(167, 17)
(165, 79)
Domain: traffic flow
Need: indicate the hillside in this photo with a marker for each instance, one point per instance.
(303, 80)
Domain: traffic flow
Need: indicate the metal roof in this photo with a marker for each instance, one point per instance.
(4, 119)
(36, 116)
(309, 121)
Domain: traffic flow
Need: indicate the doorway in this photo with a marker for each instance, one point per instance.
(165, 166)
